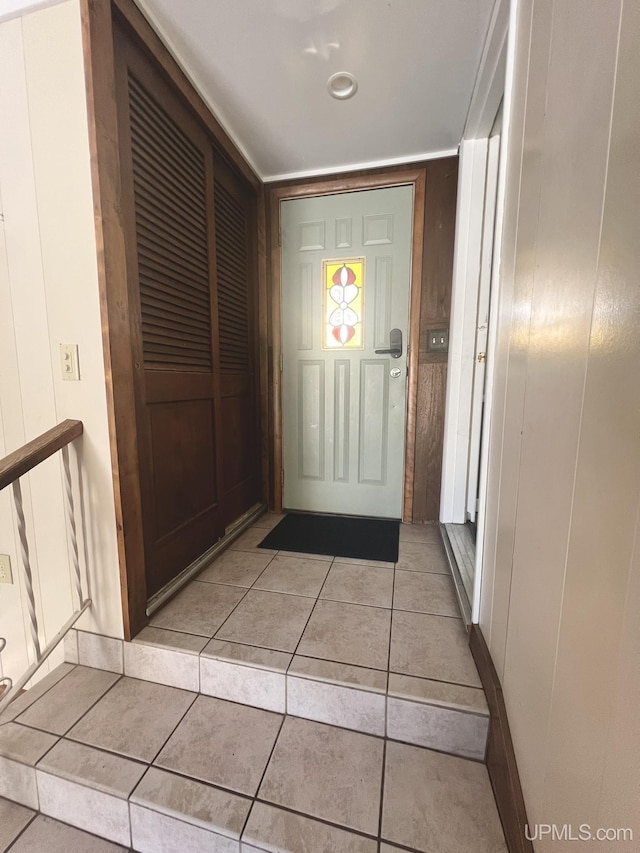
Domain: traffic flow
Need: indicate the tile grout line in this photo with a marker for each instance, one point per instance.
(73, 666)
(129, 811)
(259, 785)
(220, 627)
(151, 764)
(324, 821)
(24, 828)
(306, 624)
(216, 786)
(386, 692)
(384, 773)
(299, 594)
(309, 657)
(247, 590)
(81, 717)
(457, 755)
(136, 760)
(146, 808)
(173, 730)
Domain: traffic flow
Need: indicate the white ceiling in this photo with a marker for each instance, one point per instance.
(263, 67)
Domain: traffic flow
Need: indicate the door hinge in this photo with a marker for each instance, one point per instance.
(281, 362)
(282, 478)
(279, 236)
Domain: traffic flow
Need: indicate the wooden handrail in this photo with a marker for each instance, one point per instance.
(31, 454)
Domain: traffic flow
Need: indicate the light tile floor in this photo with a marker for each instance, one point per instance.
(185, 771)
(229, 777)
(359, 612)
(28, 832)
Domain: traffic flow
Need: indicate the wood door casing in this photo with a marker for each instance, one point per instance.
(188, 228)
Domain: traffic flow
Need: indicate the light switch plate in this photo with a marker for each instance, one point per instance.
(69, 362)
(438, 340)
(6, 575)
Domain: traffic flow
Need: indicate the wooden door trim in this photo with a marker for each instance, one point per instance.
(114, 300)
(98, 52)
(349, 182)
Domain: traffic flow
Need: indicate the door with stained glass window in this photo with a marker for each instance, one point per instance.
(346, 262)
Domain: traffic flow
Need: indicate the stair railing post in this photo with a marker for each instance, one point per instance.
(71, 524)
(26, 565)
(5, 681)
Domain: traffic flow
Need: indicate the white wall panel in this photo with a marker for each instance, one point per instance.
(560, 602)
(49, 294)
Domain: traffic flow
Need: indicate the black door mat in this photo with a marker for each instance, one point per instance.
(337, 536)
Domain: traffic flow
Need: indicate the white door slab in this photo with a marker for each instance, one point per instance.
(482, 317)
(344, 405)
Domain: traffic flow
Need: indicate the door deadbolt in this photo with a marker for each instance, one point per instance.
(482, 357)
(395, 372)
(395, 344)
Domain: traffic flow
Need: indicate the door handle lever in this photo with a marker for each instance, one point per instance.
(395, 344)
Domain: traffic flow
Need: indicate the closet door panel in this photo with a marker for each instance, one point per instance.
(168, 186)
(236, 297)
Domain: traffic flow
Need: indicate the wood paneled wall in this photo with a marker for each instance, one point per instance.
(437, 271)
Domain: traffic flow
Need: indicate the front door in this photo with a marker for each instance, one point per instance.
(346, 263)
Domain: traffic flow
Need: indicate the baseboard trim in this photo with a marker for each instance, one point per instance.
(232, 533)
(500, 756)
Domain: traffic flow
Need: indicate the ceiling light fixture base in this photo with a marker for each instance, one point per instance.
(342, 85)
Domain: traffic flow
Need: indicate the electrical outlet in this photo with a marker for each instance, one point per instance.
(438, 340)
(69, 362)
(6, 575)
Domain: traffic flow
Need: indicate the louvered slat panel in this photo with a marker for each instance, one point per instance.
(187, 212)
(175, 254)
(170, 134)
(171, 235)
(180, 233)
(232, 273)
(158, 271)
(155, 317)
(157, 298)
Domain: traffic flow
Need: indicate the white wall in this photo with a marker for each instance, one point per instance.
(48, 296)
(561, 589)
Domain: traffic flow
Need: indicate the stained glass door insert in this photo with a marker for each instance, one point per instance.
(343, 304)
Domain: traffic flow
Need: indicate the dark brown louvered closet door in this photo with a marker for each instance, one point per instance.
(168, 206)
(235, 278)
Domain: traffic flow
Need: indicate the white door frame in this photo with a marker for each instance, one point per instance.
(493, 83)
(350, 183)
